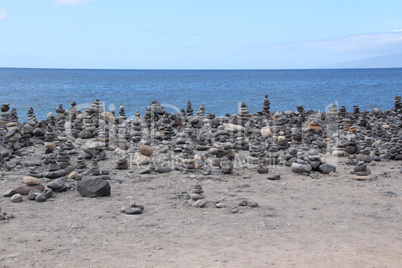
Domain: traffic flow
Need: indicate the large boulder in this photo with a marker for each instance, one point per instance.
(93, 187)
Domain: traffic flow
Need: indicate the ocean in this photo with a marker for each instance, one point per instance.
(221, 91)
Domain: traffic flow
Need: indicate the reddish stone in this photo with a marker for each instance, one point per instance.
(24, 190)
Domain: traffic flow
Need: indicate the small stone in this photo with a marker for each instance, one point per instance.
(93, 187)
(262, 170)
(140, 159)
(252, 204)
(40, 198)
(243, 203)
(362, 178)
(326, 168)
(33, 193)
(132, 210)
(301, 168)
(16, 198)
(48, 193)
(57, 185)
(9, 193)
(274, 177)
(55, 174)
(163, 168)
(24, 190)
(2, 217)
(234, 210)
(29, 180)
(145, 150)
(195, 196)
(220, 205)
(73, 175)
(199, 203)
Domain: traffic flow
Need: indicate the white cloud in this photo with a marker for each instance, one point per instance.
(3, 14)
(371, 42)
(72, 2)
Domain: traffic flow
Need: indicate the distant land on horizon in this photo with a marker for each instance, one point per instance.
(386, 61)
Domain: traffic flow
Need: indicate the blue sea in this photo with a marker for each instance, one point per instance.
(221, 91)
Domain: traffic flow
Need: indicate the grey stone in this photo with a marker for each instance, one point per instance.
(55, 174)
(301, 168)
(33, 193)
(274, 177)
(327, 168)
(58, 184)
(40, 198)
(262, 170)
(199, 203)
(10, 193)
(16, 198)
(132, 210)
(93, 188)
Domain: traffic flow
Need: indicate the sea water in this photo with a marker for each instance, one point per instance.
(221, 91)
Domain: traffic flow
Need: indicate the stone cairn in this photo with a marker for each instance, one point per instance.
(202, 143)
(189, 109)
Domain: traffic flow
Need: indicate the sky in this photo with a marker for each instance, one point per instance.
(196, 34)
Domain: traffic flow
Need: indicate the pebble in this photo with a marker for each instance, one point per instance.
(220, 205)
(40, 198)
(131, 210)
(16, 198)
(362, 178)
(274, 177)
(29, 180)
(252, 204)
(199, 203)
(9, 193)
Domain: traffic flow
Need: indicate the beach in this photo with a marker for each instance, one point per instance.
(269, 189)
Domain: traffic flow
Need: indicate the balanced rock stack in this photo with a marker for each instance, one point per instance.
(398, 104)
(361, 172)
(5, 115)
(301, 165)
(197, 195)
(189, 109)
(143, 155)
(11, 140)
(54, 170)
(201, 110)
(244, 112)
(266, 106)
(122, 164)
(154, 111)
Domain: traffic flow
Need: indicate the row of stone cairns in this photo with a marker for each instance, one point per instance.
(186, 135)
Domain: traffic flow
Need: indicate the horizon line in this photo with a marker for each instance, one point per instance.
(197, 69)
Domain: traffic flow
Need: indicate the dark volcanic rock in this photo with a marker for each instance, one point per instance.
(93, 188)
(326, 168)
(274, 177)
(58, 185)
(55, 174)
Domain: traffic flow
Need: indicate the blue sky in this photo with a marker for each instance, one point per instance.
(190, 34)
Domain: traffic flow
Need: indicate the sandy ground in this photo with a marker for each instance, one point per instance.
(300, 222)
